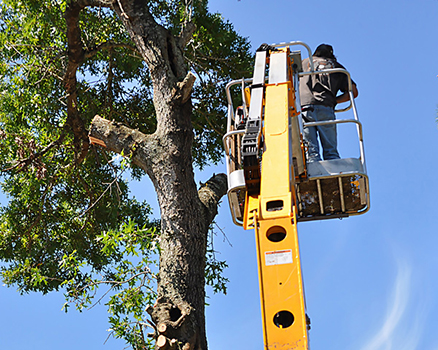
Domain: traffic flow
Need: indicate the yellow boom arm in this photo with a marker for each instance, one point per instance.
(272, 213)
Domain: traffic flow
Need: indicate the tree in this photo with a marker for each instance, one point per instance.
(141, 78)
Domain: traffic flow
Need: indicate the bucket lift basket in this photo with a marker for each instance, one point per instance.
(332, 189)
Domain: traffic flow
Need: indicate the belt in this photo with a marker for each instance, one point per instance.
(307, 108)
(311, 109)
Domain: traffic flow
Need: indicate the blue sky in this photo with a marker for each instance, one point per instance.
(371, 280)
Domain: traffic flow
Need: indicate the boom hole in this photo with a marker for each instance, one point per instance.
(283, 319)
(276, 234)
(274, 205)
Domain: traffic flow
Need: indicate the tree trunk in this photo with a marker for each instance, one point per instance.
(181, 296)
(186, 213)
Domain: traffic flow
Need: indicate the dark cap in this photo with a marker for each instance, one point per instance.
(324, 50)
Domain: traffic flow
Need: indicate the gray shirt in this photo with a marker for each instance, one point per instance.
(321, 89)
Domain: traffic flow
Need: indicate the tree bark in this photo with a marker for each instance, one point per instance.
(76, 55)
(186, 213)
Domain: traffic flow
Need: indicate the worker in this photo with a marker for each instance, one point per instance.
(318, 96)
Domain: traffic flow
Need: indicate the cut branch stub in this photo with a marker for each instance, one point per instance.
(184, 88)
(123, 140)
(210, 194)
(162, 342)
(95, 141)
(176, 325)
(149, 309)
(162, 328)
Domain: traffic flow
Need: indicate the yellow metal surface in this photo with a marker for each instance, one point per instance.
(272, 214)
(251, 209)
(275, 184)
(281, 285)
(247, 96)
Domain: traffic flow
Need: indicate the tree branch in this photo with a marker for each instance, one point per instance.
(76, 55)
(27, 161)
(146, 33)
(107, 46)
(211, 192)
(186, 34)
(158, 47)
(123, 140)
(184, 88)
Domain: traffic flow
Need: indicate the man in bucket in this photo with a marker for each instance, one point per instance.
(318, 96)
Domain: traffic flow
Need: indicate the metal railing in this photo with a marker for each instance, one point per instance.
(229, 137)
(352, 106)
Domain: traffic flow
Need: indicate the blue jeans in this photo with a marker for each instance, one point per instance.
(327, 133)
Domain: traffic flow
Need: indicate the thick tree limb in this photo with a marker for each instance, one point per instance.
(211, 192)
(76, 56)
(121, 139)
(186, 34)
(146, 33)
(161, 51)
(184, 88)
